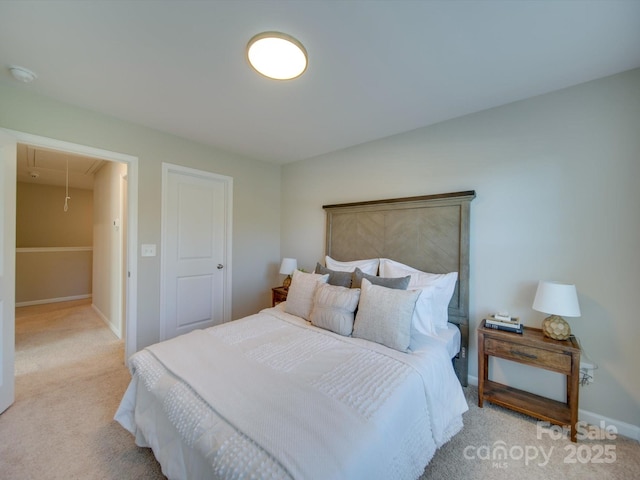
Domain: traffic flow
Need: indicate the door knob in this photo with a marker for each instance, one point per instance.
(220, 266)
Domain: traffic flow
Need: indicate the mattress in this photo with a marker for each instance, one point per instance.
(270, 396)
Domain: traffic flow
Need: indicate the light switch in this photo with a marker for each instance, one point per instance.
(148, 250)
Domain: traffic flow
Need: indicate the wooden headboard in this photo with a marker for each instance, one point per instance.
(430, 233)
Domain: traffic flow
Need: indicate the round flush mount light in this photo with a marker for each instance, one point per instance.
(277, 55)
(22, 74)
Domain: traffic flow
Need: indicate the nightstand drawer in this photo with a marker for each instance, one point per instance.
(555, 361)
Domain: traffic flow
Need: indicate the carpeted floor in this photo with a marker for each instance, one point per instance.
(497, 443)
(71, 377)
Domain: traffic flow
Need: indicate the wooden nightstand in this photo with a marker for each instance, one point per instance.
(534, 349)
(278, 295)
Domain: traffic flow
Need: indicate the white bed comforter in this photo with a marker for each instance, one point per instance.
(270, 396)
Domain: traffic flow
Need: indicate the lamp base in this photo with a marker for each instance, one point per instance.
(287, 282)
(556, 327)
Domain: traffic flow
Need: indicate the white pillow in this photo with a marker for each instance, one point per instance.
(333, 308)
(443, 286)
(369, 266)
(384, 315)
(423, 322)
(301, 292)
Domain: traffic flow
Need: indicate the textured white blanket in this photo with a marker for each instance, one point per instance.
(271, 396)
(310, 434)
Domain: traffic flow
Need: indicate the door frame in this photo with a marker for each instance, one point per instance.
(228, 236)
(130, 345)
(8, 154)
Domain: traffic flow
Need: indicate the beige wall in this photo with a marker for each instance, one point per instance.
(42, 223)
(557, 198)
(107, 244)
(256, 195)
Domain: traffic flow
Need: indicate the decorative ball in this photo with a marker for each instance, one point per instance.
(556, 327)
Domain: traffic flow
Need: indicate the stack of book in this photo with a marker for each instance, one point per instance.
(504, 322)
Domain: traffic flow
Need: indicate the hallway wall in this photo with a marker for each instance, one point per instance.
(54, 251)
(107, 246)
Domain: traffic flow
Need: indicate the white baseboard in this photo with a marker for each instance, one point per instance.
(626, 429)
(116, 331)
(53, 300)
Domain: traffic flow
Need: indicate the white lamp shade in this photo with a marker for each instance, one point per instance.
(557, 299)
(288, 266)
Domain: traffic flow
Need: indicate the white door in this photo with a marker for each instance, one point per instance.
(7, 268)
(196, 250)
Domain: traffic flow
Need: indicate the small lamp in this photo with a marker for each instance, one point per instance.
(556, 299)
(287, 268)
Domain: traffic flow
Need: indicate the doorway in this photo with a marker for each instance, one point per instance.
(128, 215)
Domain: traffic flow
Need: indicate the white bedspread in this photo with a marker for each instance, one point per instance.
(273, 397)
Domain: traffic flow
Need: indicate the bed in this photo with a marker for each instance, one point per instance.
(280, 394)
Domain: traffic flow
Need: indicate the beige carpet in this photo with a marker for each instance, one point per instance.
(71, 377)
(473, 453)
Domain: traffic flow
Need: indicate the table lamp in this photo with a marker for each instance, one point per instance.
(556, 299)
(287, 267)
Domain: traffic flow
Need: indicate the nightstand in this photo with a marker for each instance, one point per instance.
(534, 349)
(278, 295)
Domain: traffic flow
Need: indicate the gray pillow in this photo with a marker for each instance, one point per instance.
(384, 315)
(339, 279)
(398, 283)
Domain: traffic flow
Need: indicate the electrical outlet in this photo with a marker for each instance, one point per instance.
(586, 376)
(586, 373)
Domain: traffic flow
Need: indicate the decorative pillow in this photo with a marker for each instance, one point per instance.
(301, 292)
(400, 283)
(444, 285)
(384, 315)
(333, 308)
(341, 279)
(369, 266)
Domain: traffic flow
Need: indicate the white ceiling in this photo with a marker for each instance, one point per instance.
(376, 68)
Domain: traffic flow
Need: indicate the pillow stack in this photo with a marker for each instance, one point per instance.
(393, 309)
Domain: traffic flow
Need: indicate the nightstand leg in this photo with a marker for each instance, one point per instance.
(483, 363)
(483, 376)
(573, 390)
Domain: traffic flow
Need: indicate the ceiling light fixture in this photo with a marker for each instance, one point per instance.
(22, 74)
(277, 55)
